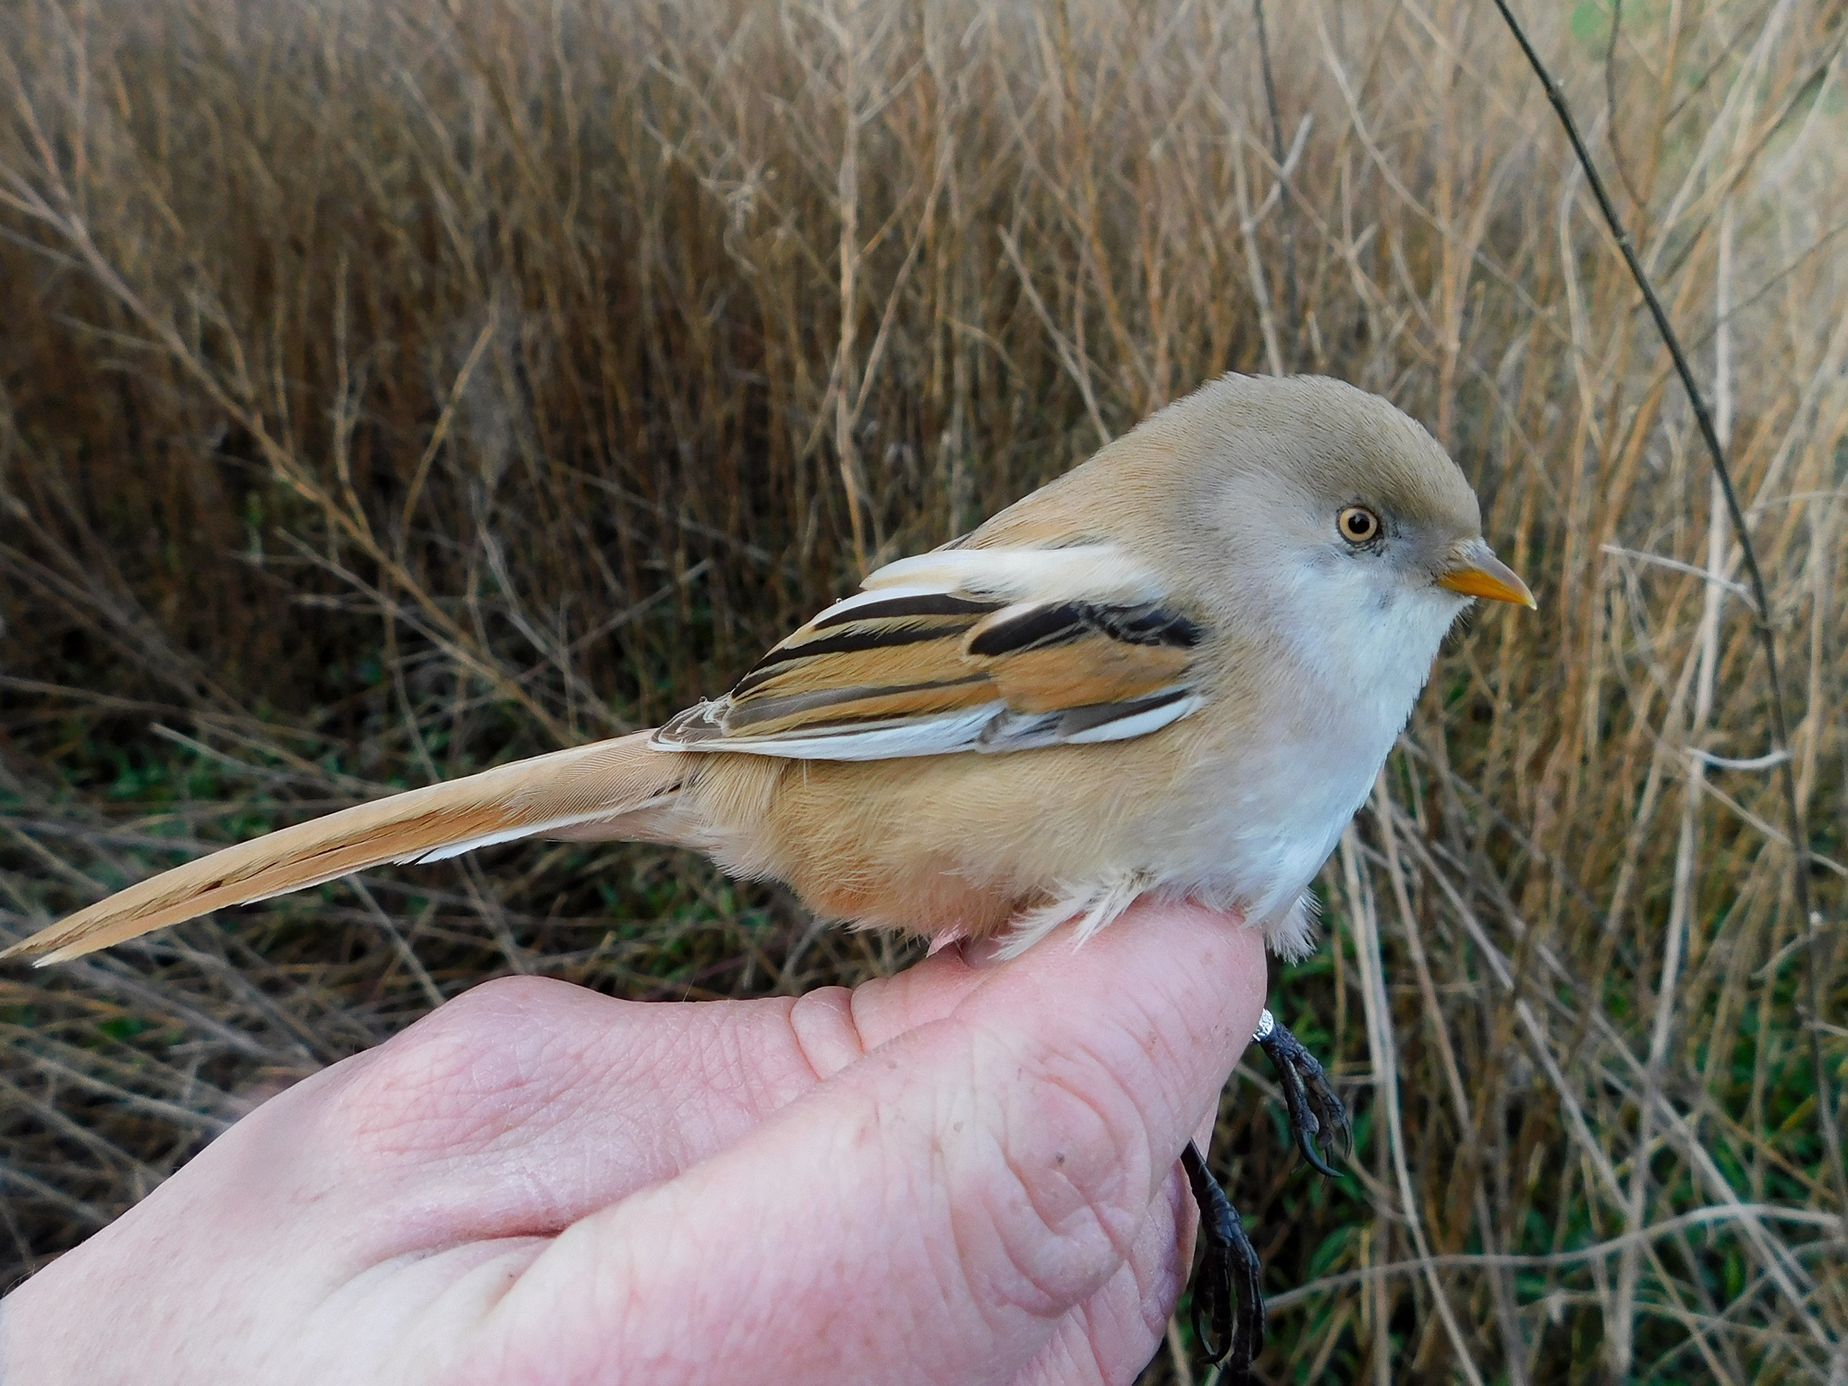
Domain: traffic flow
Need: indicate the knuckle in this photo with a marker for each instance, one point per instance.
(502, 998)
(455, 1081)
(1066, 1188)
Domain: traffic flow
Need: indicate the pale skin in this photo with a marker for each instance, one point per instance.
(964, 1173)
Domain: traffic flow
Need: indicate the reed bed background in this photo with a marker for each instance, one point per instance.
(391, 389)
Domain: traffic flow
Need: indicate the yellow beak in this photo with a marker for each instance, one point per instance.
(1476, 572)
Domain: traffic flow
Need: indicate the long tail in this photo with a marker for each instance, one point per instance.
(564, 793)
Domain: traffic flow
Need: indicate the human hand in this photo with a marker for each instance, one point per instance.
(953, 1175)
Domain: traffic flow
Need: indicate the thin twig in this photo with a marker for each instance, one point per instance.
(1292, 310)
(1767, 636)
(1714, 1215)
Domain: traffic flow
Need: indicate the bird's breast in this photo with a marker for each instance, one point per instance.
(1261, 807)
(1257, 837)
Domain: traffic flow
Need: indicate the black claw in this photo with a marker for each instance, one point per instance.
(1228, 1302)
(1318, 1117)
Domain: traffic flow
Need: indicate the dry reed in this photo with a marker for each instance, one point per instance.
(390, 389)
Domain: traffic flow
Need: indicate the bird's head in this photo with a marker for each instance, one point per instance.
(1329, 512)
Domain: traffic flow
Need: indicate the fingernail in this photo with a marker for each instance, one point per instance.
(979, 953)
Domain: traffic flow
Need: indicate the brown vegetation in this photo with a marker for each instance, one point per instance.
(388, 390)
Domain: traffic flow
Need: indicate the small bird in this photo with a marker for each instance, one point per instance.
(1176, 669)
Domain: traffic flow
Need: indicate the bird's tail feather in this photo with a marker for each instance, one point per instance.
(567, 793)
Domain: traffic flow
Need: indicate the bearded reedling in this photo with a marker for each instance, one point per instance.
(1176, 669)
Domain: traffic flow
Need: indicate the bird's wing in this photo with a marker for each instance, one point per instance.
(999, 649)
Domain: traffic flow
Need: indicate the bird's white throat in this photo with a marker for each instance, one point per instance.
(1360, 668)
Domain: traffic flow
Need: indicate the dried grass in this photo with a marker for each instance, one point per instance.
(386, 390)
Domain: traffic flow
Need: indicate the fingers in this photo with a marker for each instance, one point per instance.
(526, 1104)
(944, 1203)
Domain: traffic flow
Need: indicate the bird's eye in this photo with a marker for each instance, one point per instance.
(1358, 525)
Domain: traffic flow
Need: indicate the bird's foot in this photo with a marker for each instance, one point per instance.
(1228, 1303)
(1318, 1117)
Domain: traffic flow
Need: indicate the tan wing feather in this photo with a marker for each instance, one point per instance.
(860, 704)
(1084, 673)
(566, 790)
(913, 655)
(925, 668)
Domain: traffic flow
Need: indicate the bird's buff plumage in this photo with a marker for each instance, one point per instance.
(1177, 668)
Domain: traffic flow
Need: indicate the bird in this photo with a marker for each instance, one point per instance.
(1175, 670)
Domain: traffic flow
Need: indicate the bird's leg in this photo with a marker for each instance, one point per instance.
(1317, 1116)
(1228, 1304)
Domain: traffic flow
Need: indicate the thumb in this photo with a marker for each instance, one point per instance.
(932, 1211)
